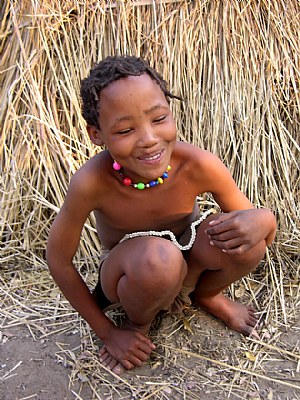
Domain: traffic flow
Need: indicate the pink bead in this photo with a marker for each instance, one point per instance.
(127, 181)
(116, 166)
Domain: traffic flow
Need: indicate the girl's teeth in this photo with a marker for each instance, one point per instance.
(152, 158)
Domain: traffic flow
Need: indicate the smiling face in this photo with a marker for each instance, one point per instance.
(137, 126)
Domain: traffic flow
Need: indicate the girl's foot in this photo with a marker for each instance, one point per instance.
(236, 316)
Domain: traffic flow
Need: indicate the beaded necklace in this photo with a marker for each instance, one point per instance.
(140, 185)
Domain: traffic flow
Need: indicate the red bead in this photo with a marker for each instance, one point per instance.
(127, 181)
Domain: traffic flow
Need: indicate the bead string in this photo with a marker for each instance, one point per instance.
(140, 185)
(173, 238)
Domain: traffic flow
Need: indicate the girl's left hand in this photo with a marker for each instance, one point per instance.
(238, 231)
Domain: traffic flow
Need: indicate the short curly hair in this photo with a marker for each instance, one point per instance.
(107, 71)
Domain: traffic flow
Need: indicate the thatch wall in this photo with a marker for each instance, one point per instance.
(236, 64)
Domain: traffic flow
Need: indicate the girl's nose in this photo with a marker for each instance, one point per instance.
(147, 137)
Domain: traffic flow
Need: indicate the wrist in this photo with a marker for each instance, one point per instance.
(104, 329)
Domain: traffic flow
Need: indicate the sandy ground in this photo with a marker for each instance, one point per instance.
(65, 366)
(31, 369)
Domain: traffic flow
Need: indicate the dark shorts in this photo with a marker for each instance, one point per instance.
(101, 299)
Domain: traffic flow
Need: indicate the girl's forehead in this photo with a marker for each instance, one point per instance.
(131, 84)
(129, 98)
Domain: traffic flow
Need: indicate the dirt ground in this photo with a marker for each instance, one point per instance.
(196, 358)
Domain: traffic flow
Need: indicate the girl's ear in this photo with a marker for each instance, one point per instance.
(95, 135)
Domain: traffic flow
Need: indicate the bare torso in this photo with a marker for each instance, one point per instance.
(109, 235)
(123, 209)
(120, 209)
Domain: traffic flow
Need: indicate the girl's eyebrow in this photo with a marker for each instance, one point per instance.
(123, 118)
(154, 108)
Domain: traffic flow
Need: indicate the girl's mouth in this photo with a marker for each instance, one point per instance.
(151, 157)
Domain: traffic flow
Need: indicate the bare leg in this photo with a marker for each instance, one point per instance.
(144, 275)
(213, 271)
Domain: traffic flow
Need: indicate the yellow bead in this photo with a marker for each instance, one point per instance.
(160, 180)
(169, 167)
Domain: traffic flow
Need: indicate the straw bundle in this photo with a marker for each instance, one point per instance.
(235, 63)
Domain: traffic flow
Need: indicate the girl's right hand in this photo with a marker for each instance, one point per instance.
(125, 348)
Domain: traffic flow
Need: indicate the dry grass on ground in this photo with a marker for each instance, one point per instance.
(236, 64)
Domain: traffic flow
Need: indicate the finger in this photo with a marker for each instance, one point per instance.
(141, 336)
(141, 355)
(214, 223)
(224, 236)
(236, 251)
(147, 346)
(137, 356)
(132, 362)
(144, 343)
(221, 228)
(231, 244)
(127, 364)
(221, 218)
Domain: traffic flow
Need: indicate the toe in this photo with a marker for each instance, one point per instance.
(105, 357)
(246, 330)
(106, 362)
(251, 310)
(112, 364)
(118, 369)
(251, 321)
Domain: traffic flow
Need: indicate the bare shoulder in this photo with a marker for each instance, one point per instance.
(205, 172)
(86, 187)
(194, 153)
(91, 177)
(197, 159)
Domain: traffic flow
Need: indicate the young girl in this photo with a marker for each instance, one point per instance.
(158, 248)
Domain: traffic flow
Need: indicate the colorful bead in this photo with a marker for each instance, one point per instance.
(116, 166)
(127, 181)
(140, 186)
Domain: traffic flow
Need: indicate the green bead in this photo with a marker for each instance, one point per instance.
(140, 186)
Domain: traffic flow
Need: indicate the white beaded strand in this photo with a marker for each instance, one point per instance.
(171, 234)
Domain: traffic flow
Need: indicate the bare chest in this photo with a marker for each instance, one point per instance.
(143, 212)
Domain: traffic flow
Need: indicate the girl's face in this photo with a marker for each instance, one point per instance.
(137, 126)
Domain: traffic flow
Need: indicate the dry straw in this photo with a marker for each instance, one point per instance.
(235, 63)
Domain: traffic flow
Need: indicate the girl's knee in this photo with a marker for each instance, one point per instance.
(252, 257)
(161, 266)
(208, 258)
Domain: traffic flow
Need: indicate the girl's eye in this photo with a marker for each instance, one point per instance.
(159, 119)
(124, 131)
